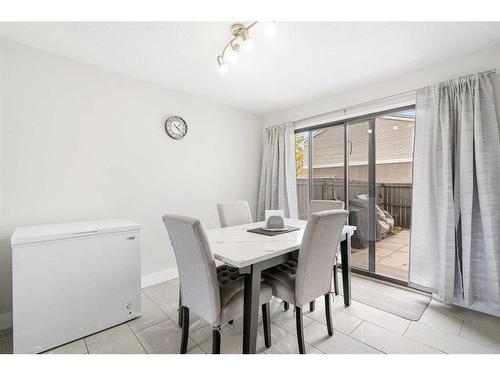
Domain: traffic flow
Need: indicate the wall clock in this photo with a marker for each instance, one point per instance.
(176, 127)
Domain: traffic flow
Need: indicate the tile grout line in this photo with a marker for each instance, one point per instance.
(86, 346)
(461, 328)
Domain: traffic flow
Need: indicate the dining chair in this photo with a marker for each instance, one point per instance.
(214, 295)
(302, 281)
(318, 206)
(325, 205)
(234, 213)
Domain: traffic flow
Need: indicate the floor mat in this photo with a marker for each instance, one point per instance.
(404, 303)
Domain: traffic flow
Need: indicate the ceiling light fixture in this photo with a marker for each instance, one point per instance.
(241, 37)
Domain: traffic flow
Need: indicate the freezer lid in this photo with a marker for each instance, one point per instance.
(50, 232)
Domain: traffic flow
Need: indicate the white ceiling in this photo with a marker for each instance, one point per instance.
(304, 62)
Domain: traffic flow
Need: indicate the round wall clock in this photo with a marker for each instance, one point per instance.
(176, 127)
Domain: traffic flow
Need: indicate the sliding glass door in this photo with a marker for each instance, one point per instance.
(328, 164)
(358, 138)
(367, 163)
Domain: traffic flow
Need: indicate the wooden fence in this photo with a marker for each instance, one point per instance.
(394, 198)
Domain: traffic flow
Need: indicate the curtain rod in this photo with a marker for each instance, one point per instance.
(488, 72)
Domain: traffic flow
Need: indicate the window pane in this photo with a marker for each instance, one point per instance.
(302, 172)
(328, 164)
(394, 162)
(358, 192)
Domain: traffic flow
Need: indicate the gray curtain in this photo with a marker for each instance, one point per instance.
(455, 242)
(278, 184)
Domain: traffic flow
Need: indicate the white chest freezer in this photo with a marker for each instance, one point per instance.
(73, 279)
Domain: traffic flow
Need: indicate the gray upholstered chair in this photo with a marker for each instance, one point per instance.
(234, 213)
(318, 206)
(326, 205)
(302, 281)
(215, 295)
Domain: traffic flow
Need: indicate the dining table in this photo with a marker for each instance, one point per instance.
(251, 253)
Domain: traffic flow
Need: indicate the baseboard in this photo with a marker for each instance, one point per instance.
(159, 277)
(5, 320)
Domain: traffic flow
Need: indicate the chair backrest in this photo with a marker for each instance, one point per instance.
(196, 265)
(325, 205)
(317, 255)
(234, 213)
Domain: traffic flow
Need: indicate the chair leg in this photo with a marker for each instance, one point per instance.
(216, 340)
(328, 313)
(312, 305)
(266, 319)
(300, 330)
(185, 329)
(179, 318)
(335, 280)
(286, 305)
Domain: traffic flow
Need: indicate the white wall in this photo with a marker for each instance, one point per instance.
(80, 143)
(461, 65)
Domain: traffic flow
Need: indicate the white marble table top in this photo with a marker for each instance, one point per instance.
(239, 248)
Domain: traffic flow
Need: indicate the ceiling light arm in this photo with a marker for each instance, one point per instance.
(230, 43)
(236, 30)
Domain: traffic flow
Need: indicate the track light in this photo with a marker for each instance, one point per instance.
(247, 43)
(241, 37)
(232, 53)
(222, 66)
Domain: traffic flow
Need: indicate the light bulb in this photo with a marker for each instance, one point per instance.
(246, 42)
(248, 45)
(270, 30)
(231, 55)
(223, 69)
(395, 127)
(370, 131)
(222, 66)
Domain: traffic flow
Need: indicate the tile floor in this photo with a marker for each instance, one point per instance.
(391, 255)
(358, 329)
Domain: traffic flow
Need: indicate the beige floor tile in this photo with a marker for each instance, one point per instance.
(166, 297)
(397, 239)
(165, 338)
(286, 319)
(342, 321)
(378, 317)
(444, 341)
(116, 340)
(438, 315)
(231, 341)
(163, 293)
(316, 335)
(151, 315)
(396, 259)
(486, 332)
(283, 342)
(389, 342)
(397, 272)
(389, 245)
(382, 253)
(75, 347)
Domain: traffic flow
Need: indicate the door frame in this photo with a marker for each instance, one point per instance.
(370, 119)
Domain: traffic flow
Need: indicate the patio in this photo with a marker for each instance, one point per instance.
(391, 255)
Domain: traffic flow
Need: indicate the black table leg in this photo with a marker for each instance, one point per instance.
(345, 255)
(251, 310)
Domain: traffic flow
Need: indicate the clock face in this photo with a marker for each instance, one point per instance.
(176, 127)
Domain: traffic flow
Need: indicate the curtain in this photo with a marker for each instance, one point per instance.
(455, 241)
(278, 185)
